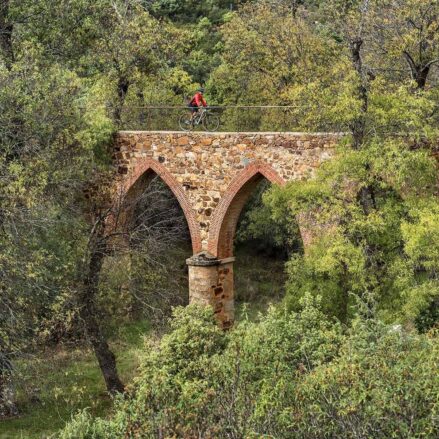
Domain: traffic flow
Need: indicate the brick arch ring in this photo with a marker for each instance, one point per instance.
(226, 215)
(144, 165)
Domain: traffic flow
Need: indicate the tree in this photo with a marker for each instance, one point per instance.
(134, 47)
(6, 30)
(407, 35)
(147, 219)
(333, 64)
(271, 57)
(53, 138)
(37, 135)
(188, 11)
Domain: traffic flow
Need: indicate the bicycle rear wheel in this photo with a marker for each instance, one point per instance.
(211, 122)
(185, 122)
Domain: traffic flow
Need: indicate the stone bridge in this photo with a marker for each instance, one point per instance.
(212, 175)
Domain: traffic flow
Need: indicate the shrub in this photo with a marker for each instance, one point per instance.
(290, 375)
(384, 384)
(83, 426)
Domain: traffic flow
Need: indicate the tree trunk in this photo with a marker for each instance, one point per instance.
(89, 313)
(421, 77)
(359, 125)
(419, 72)
(343, 284)
(6, 29)
(366, 195)
(7, 404)
(123, 85)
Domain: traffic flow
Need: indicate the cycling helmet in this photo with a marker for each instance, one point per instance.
(201, 90)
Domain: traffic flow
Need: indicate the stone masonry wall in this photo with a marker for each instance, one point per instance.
(206, 170)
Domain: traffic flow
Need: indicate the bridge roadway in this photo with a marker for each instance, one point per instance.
(212, 175)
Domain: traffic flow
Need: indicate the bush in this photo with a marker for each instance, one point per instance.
(289, 375)
(83, 426)
(384, 384)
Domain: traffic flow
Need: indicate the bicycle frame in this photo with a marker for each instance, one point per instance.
(200, 116)
(203, 117)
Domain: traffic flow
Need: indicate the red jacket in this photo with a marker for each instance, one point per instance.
(198, 100)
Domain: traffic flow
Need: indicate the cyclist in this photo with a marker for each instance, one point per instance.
(196, 102)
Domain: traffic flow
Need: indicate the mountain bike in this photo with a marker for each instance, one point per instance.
(204, 117)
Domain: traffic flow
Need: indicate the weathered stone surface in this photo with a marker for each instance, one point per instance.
(212, 175)
(211, 283)
(207, 162)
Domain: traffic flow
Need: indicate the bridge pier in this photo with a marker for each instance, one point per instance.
(211, 283)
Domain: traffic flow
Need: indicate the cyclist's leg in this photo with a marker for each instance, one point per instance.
(194, 111)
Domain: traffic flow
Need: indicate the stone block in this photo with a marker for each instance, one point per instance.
(183, 140)
(206, 141)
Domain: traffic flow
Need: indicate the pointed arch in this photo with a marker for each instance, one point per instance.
(226, 215)
(146, 165)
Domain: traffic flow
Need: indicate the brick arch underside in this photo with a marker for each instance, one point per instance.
(146, 166)
(226, 215)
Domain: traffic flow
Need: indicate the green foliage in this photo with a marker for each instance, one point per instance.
(420, 288)
(47, 152)
(189, 11)
(333, 269)
(288, 375)
(278, 236)
(271, 56)
(383, 385)
(193, 339)
(352, 252)
(177, 373)
(72, 72)
(84, 427)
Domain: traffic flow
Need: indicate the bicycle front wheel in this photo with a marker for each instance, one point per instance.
(185, 122)
(211, 122)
